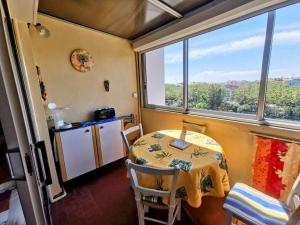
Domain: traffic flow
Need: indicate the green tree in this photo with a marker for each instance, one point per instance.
(216, 94)
(282, 99)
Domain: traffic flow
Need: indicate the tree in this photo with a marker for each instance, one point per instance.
(216, 94)
(282, 99)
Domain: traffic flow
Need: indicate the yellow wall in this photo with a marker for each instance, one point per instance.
(84, 92)
(33, 92)
(234, 137)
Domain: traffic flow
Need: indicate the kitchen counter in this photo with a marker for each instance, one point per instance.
(88, 145)
(93, 122)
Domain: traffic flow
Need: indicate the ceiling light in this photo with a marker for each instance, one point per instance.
(42, 30)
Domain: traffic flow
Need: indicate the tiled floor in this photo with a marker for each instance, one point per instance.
(105, 198)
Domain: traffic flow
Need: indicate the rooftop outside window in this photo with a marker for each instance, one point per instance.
(165, 79)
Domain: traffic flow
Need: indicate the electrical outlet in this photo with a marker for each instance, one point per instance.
(134, 95)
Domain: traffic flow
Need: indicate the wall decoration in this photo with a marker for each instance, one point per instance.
(42, 84)
(81, 60)
(106, 85)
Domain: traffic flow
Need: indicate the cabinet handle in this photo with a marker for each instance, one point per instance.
(101, 127)
(86, 131)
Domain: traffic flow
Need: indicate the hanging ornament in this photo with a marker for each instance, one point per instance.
(42, 84)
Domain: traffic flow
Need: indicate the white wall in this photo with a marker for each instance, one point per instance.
(155, 70)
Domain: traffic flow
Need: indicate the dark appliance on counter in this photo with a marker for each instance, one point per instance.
(105, 113)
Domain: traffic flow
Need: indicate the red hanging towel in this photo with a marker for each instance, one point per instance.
(276, 163)
(268, 165)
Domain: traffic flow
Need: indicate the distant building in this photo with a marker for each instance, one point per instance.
(293, 82)
(231, 85)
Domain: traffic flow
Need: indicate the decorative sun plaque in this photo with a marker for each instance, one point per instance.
(82, 60)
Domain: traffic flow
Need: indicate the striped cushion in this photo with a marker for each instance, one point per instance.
(255, 207)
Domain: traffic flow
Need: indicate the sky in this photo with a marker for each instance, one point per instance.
(235, 52)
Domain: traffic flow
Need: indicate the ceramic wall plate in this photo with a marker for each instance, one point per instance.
(81, 60)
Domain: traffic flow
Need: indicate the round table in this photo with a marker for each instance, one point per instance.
(203, 168)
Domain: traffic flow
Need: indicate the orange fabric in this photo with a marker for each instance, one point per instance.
(260, 165)
(240, 223)
(275, 167)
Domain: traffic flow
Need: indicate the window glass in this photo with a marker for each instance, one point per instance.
(164, 70)
(225, 67)
(283, 90)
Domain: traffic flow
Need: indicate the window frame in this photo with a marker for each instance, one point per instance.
(257, 118)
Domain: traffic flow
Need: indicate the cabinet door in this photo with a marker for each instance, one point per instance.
(78, 151)
(111, 141)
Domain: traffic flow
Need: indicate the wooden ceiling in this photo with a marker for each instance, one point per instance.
(128, 19)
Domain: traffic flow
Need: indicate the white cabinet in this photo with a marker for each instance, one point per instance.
(78, 152)
(82, 150)
(110, 141)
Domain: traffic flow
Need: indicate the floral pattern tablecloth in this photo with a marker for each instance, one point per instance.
(203, 167)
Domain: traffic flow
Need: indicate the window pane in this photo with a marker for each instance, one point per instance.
(283, 91)
(164, 70)
(225, 67)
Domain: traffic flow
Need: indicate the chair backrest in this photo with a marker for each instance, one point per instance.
(293, 200)
(139, 190)
(129, 131)
(193, 126)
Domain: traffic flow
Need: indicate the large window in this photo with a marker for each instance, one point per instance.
(249, 69)
(283, 90)
(225, 67)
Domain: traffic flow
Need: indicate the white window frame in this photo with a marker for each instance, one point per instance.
(239, 117)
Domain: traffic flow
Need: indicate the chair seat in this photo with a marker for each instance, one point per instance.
(255, 207)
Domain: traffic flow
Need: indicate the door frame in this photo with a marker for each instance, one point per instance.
(20, 133)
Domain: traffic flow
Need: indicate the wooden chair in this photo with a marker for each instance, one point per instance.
(201, 128)
(254, 207)
(125, 133)
(142, 194)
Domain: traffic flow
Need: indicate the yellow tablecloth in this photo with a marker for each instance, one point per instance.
(203, 164)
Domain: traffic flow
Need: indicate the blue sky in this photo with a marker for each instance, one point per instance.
(235, 52)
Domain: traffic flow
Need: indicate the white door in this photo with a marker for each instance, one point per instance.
(111, 141)
(20, 136)
(78, 150)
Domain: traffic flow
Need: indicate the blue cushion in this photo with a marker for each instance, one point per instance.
(255, 207)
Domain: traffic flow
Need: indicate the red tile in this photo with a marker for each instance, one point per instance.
(104, 197)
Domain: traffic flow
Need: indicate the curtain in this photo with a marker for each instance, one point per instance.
(275, 167)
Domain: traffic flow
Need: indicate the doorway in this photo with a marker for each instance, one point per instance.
(22, 200)
(4, 170)
(10, 206)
